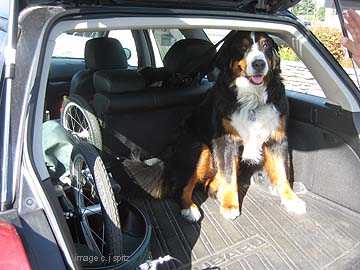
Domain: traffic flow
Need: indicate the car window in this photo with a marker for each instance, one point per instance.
(72, 45)
(323, 21)
(296, 75)
(162, 40)
(215, 35)
(127, 41)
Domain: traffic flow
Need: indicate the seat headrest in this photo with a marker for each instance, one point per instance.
(116, 81)
(104, 53)
(189, 56)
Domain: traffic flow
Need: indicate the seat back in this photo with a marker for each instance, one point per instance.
(151, 116)
(101, 53)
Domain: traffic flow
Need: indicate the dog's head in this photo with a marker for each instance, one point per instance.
(250, 55)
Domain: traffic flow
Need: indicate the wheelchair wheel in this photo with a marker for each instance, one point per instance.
(79, 119)
(96, 207)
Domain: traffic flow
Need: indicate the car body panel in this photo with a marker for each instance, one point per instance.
(269, 6)
(332, 118)
(13, 255)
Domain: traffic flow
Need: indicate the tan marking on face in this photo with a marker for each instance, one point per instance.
(235, 69)
(262, 39)
(243, 64)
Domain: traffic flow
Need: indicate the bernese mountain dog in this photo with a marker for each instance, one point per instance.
(240, 125)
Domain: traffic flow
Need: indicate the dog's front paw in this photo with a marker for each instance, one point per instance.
(230, 212)
(296, 206)
(229, 201)
(191, 214)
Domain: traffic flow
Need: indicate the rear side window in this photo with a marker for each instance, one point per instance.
(164, 39)
(72, 45)
(296, 76)
(127, 41)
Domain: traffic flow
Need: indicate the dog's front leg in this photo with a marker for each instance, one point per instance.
(226, 158)
(277, 169)
(204, 169)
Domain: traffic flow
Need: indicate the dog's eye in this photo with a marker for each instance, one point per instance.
(266, 45)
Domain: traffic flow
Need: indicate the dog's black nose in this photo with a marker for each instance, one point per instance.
(258, 65)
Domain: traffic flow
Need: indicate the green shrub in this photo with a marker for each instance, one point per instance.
(287, 54)
(330, 37)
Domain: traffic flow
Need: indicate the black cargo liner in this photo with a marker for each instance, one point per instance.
(265, 236)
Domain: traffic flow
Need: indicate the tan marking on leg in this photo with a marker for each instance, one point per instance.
(213, 187)
(202, 171)
(276, 170)
(280, 133)
(230, 129)
(228, 194)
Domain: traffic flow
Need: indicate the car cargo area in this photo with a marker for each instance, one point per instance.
(139, 112)
(265, 236)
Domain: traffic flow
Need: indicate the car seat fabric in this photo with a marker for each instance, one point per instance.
(100, 53)
(184, 62)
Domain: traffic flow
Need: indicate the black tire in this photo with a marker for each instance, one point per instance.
(78, 117)
(95, 203)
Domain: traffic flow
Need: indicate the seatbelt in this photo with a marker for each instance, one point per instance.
(135, 149)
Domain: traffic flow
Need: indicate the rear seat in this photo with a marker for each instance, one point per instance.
(100, 54)
(149, 116)
(185, 60)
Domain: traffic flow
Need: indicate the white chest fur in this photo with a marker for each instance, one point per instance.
(255, 121)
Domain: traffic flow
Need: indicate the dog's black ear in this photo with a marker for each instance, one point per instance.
(223, 61)
(276, 57)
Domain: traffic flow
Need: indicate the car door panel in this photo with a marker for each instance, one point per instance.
(325, 149)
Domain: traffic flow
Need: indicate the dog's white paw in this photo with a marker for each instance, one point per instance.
(191, 214)
(296, 206)
(230, 213)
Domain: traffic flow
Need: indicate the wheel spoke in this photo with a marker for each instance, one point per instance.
(78, 193)
(89, 239)
(69, 121)
(103, 237)
(97, 236)
(91, 210)
(77, 122)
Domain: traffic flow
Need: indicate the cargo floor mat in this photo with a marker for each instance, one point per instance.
(265, 236)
